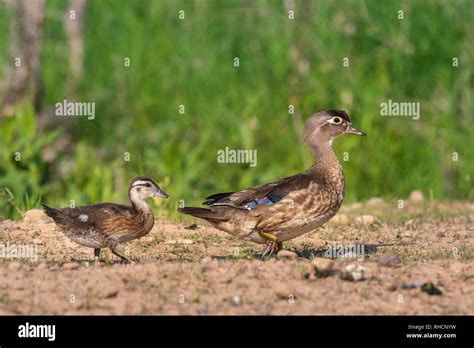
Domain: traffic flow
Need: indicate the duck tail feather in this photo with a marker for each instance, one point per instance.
(202, 213)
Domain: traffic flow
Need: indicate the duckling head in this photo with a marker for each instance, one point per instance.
(325, 125)
(142, 188)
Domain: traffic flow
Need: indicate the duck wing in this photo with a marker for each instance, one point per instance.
(275, 204)
(265, 207)
(261, 196)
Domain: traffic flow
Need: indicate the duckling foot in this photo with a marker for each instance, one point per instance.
(97, 255)
(125, 258)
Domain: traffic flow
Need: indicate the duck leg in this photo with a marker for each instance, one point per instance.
(124, 257)
(271, 246)
(267, 251)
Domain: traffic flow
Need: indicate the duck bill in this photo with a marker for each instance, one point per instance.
(160, 193)
(352, 130)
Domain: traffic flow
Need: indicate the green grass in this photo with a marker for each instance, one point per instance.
(190, 62)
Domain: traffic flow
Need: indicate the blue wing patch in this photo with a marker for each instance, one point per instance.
(267, 200)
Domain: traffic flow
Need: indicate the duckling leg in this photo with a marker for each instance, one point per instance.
(124, 257)
(96, 254)
(272, 244)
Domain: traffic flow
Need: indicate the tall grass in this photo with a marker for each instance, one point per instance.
(190, 62)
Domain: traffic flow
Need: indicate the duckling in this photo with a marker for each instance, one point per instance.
(285, 209)
(106, 225)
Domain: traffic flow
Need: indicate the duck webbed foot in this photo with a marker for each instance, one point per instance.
(125, 258)
(272, 245)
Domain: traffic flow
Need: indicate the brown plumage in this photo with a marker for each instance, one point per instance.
(287, 208)
(106, 225)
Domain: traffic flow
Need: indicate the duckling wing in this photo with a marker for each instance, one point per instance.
(90, 216)
(114, 219)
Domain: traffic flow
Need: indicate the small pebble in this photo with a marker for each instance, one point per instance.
(323, 267)
(206, 260)
(416, 197)
(454, 234)
(353, 272)
(282, 291)
(14, 266)
(392, 287)
(307, 271)
(431, 289)
(42, 266)
(390, 261)
(236, 300)
(287, 254)
(71, 266)
(365, 220)
(111, 294)
(375, 201)
(321, 263)
(457, 267)
(355, 206)
(34, 215)
(38, 241)
(191, 227)
(413, 285)
(202, 311)
(227, 279)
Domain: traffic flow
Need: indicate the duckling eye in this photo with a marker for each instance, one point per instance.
(148, 184)
(337, 120)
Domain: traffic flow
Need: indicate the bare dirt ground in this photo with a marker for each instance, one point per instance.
(408, 255)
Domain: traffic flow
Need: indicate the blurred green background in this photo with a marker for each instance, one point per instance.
(190, 62)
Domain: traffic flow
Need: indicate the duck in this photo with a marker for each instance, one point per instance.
(106, 225)
(287, 208)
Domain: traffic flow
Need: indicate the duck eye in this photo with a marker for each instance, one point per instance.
(337, 120)
(148, 184)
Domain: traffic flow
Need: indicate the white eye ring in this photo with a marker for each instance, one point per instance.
(335, 120)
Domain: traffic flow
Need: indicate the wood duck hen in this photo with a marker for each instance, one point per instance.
(285, 209)
(106, 225)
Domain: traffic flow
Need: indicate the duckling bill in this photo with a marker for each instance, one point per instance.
(106, 225)
(287, 208)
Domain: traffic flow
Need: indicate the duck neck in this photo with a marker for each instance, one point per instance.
(140, 205)
(326, 166)
(144, 216)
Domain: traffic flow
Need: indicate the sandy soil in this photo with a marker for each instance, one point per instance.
(195, 269)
